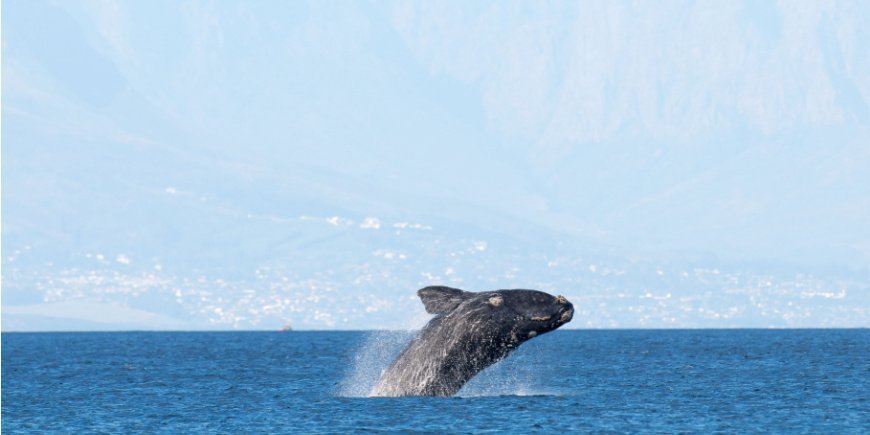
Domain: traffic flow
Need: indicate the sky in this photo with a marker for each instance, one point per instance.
(251, 165)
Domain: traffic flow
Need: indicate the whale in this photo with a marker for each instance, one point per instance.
(469, 332)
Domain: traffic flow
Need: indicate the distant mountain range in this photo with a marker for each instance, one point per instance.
(212, 166)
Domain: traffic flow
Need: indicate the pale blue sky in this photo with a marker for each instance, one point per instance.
(157, 153)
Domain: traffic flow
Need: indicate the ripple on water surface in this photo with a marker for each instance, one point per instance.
(701, 380)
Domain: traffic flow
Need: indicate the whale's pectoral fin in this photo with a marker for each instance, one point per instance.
(440, 299)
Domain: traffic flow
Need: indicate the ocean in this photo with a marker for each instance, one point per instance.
(695, 381)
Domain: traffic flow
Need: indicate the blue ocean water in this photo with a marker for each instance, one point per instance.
(812, 381)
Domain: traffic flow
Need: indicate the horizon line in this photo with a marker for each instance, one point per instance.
(737, 328)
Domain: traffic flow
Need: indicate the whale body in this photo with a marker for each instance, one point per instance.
(470, 331)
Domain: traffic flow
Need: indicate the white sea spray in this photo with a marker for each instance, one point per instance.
(375, 353)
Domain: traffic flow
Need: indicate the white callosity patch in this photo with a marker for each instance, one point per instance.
(567, 315)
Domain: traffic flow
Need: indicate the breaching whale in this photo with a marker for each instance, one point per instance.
(470, 331)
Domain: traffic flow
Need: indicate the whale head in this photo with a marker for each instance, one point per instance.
(509, 316)
(534, 312)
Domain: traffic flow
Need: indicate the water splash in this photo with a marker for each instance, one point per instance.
(373, 356)
(516, 375)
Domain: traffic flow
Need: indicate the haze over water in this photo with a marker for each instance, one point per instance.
(238, 165)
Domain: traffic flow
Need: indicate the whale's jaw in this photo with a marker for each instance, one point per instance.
(566, 316)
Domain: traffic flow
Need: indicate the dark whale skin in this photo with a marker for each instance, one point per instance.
(470, 332)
